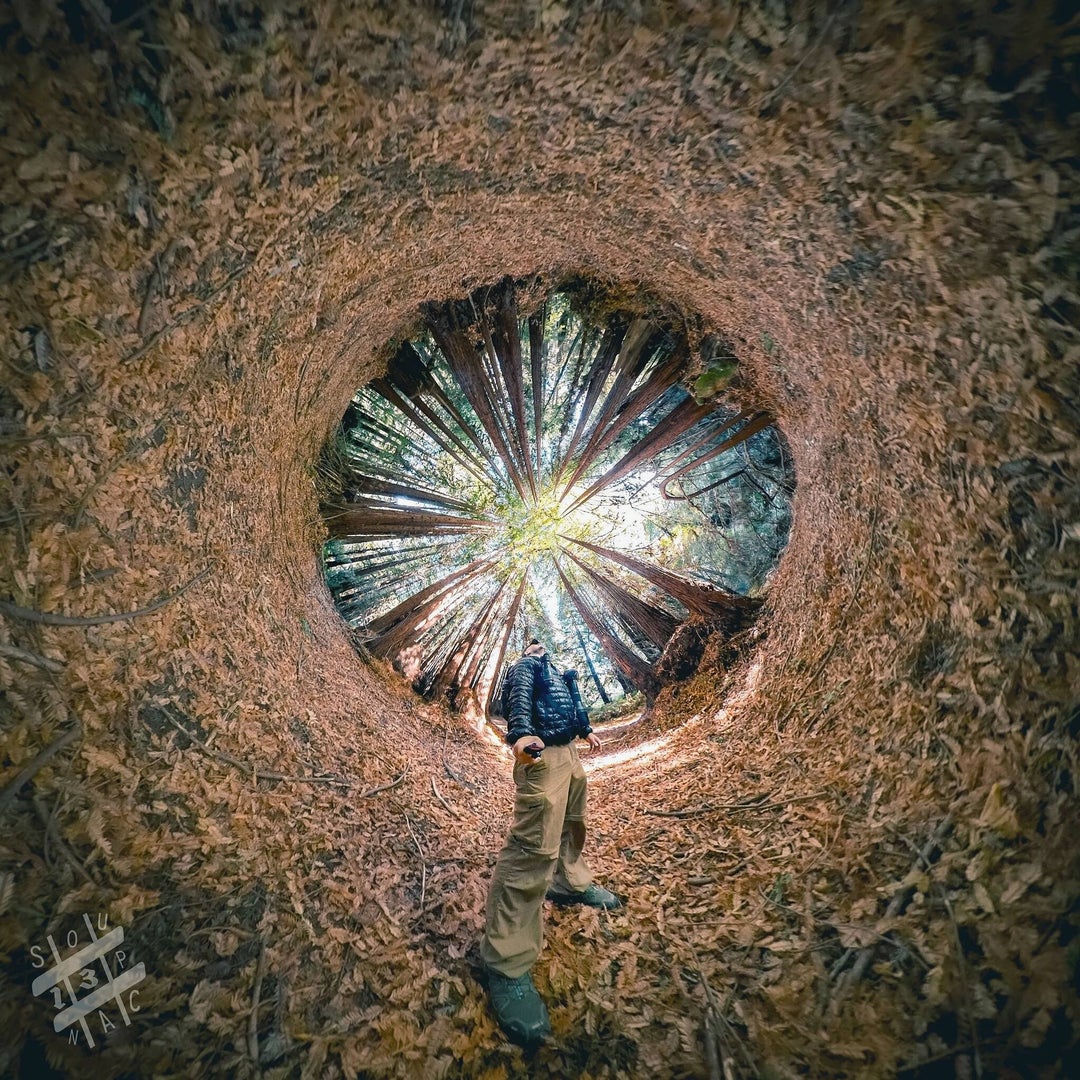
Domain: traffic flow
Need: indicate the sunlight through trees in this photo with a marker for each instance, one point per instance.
(560, 466)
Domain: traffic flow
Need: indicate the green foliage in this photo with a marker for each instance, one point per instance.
(615, 710)
(713, 381)
(531, 528)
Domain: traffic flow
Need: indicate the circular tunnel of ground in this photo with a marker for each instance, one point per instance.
(549, 461)
(845, 840)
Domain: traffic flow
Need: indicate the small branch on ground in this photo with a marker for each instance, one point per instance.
(52, 833)
(458, 779)
(446, 806)
(918, 1066)
(13, 652)
(863, 957)
(965, 975)
(185, 316)
(733, 808)
(820, 667)
(252, 258)
(253, 1019)
(773, 95)
(48, 618)
(712, 1048)
(722, 1042)
(714, 1051)
(423, 863)
(37, 763)
(260, 774)
(155, 284)
(396, 782)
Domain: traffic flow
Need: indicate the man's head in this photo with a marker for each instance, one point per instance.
(534, 648)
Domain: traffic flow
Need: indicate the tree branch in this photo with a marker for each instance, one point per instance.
(253, 1019)
(446, 806)
(37, 763)
(259, 774)
(897, 904)
(13, 652)
(48, 618)
(734, 808)
(52, 832)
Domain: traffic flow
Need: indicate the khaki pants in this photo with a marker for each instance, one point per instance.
(545, 842)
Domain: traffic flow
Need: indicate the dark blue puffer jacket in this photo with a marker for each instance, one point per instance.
(544, 703)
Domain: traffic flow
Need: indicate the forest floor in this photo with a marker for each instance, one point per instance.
(847, 851)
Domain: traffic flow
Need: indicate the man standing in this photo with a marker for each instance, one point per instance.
(542, 854)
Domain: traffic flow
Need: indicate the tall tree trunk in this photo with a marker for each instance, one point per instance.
(759, 423)
(429, 422)
(485, 688)
(591, 668)
(431, 594)
(653, 623)
(636, 669)
(507, 343)
(358, 519)
(677, 422)
(662, 379)
(468, 370)
(536, 370)
(700, 598)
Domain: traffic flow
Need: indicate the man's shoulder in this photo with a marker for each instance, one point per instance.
(526, 663)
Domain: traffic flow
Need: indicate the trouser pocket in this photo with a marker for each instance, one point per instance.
(535, 827)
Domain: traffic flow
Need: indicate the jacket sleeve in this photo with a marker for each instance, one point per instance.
(520, 721)
(580, 713)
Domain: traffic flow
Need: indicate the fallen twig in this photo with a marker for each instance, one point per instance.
(423, 863)
(713, 1058)
(782, 722)
(53, 833)
(458, 779)
(253, 1019)
(141, 443)
(714, 1051)
(188, 314)
(718, 1031)
(280, 1011)
(221, 930)
(37, 763)
(865, 955)
(952, 1051)
(736, 807)
(811, 919)
(13, 652)
(396, 782)
(260, 774)
(772, 95)
(446, 806)
(155, 284)
(18, 439)
(48, 618)
(965, 977)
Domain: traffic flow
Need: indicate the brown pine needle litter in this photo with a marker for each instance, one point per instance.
(214, 229)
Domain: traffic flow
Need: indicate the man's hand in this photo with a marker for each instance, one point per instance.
(593, 740)
(532, 741)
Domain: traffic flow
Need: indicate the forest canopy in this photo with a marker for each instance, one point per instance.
(560, 463)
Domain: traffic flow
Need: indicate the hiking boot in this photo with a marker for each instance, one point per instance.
(518, 1008)
(594, 896)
